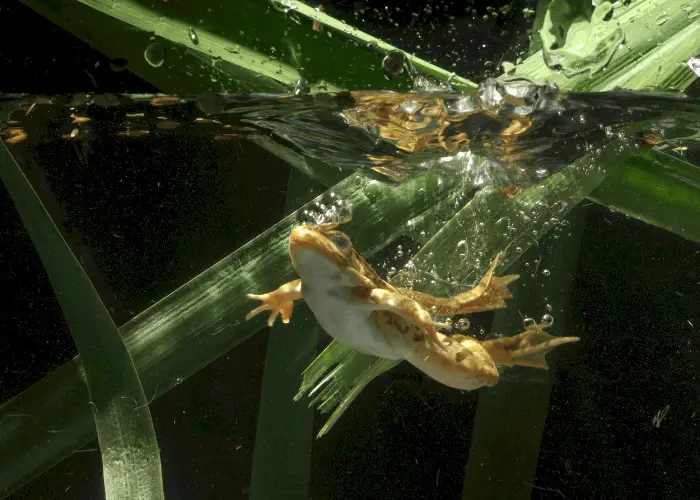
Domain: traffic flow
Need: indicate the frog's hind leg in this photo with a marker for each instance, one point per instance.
(490, 293)
(528, 348)
(405, 307)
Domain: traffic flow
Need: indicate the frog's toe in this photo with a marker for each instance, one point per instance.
(286, 311)
(273, 316)
(257, 310)
(446, 326)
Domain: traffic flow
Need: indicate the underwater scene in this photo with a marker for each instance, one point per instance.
(270, 249)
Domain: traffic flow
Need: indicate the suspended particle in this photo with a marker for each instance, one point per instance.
(317, 25)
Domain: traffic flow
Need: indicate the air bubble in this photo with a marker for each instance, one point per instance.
(462, 324)
(394, 63)
(546, 272)
(154, 54)
(373, 191)
(529, 323)
(547, 320)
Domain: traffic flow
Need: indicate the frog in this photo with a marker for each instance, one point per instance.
(360, 309)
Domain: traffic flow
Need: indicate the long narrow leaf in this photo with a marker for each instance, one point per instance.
(511, 415)
(246, 35)
(647, 57)
(130, 455)
(656, 188)
(282, 454)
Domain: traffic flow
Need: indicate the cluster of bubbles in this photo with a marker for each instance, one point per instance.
(330, 208)
(546, 321)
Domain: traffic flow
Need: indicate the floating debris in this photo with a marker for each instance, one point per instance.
(660, 415)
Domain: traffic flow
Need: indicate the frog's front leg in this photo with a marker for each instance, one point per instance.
(406, 308)
(280, 301)
(490, 293)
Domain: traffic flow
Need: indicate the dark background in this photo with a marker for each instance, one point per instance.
(148, 218)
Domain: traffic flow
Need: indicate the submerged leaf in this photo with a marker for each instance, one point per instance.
(658, 189)
(130, 454)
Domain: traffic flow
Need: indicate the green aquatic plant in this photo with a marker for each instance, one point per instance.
(580, 36)
(211, 306)
(130, 454)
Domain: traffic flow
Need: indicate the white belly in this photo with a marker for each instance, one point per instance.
(350, 322)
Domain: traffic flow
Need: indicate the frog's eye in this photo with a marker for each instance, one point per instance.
(341, 241)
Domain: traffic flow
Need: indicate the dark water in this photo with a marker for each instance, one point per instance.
(146, 216)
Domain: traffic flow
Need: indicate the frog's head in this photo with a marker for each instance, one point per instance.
(323, 256)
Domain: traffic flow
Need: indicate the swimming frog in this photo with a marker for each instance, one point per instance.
(353, 304)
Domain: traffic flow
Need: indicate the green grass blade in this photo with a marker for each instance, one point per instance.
(130, 455)
(658, 189)
(336, 377)
(648, 56)
(185, 69)
(510, 416)
(360, 37)
(194, 325)
(489, 223)
(282, 454)
(256, 39)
